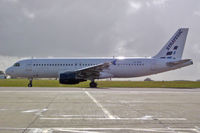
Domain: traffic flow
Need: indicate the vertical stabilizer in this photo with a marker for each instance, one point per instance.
(175, 46)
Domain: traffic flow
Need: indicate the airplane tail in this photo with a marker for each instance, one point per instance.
(175, 46)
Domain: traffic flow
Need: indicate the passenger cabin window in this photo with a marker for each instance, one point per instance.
(17, 64)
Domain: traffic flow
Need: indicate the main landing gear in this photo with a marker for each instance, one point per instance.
(30, 83)
(93, 84)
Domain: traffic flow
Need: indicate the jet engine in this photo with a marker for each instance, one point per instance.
(69, 78)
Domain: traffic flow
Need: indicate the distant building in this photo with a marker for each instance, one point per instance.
(2, 75)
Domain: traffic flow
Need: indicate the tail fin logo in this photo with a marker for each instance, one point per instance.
(114, 62)
(174, 39)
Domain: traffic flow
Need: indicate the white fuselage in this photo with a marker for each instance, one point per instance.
(122, 68)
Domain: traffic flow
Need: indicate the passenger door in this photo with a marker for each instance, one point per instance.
(28, 68)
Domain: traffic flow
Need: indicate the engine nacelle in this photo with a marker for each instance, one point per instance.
(69, 78)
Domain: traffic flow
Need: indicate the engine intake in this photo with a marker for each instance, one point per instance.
(69, 78)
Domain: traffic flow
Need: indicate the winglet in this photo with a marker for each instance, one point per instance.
(114, 62)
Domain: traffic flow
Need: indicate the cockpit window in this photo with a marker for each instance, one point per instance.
(17, 64)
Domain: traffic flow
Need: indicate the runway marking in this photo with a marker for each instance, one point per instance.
(148, 119)
(36, 111)
(3, 109)
(109, 115)
(36, 130)
(75, 115)
(197, 129)
(95, 117)
(31, 111)
(40, 130)
(171, 130)
(95, 130)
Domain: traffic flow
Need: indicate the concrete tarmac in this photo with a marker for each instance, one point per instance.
(102, 110)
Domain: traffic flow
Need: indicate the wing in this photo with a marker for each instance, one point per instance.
(92, 72)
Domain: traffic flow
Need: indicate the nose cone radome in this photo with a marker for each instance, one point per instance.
(9, 71)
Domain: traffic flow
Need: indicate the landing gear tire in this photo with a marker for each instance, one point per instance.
(93, 85)
(30, 83)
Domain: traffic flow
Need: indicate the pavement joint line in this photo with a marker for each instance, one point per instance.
(121, 92)
(109, 115)
(37, 116)
(163, 119)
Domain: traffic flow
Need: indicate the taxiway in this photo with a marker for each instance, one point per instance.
(138, 110)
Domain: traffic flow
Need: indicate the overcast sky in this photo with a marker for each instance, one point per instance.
(98, 28)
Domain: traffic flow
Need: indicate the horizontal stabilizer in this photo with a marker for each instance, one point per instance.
(175, 63)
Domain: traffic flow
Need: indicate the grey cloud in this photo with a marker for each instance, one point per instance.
(60, 30)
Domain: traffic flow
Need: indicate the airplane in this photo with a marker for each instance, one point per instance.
(76, 70)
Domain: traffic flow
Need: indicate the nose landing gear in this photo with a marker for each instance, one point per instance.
(30, 83)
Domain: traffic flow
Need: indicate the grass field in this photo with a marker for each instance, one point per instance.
(102, 84)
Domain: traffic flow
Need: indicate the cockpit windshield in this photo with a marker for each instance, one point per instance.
(16, 64)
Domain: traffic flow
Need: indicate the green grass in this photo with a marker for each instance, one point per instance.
(103, 84)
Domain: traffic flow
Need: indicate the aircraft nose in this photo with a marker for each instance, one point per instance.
(9, 71)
